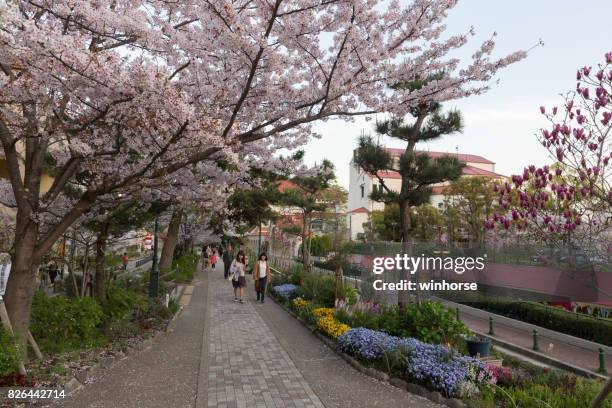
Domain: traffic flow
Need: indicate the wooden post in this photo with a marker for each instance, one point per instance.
(7, 324)
(34, 346)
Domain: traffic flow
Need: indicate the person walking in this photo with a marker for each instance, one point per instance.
(228, 258)
(125, 259)
(261, 276)
(213, 258)
(238, 271)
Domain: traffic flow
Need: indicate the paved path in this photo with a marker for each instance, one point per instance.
(231, 355)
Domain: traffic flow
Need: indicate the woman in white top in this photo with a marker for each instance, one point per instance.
(261, 276)
(239, 279)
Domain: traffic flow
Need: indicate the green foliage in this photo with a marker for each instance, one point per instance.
(469, 203)
(186, 267)
(61, 324)
(348, 293)
(426, 222)
(9, 353)
(297, 276)
(120, 302)
(318, 289)
(573, 393)
(430, 322)
(321, 246)
(597, 330)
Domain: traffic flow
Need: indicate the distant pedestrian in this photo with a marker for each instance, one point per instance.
(205, 255)
(213, 258)
(261, 276)
(228, 258)
(53, 271)
(237, 270)
(125, 259)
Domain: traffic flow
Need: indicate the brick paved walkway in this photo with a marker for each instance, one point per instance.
(230, 355)
(247, 365)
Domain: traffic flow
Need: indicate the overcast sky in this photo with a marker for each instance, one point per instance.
(501, 124)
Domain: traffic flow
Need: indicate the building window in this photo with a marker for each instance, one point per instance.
(362, 191)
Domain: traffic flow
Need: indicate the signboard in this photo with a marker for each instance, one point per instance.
(148, 242)
(5, 269)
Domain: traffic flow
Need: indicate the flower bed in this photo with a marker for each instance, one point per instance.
(434, 366)
(331, 327)
(383, 345)
(287, 290)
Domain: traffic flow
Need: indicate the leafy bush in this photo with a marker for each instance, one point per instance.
(319, 289)
(186, 266)
(430, 322)
(297, 276)
(60, 323)
(9, 353)
(597, 330)
(120, 302)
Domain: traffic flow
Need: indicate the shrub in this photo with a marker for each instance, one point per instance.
(120, 302)
(9, 353)
(60, 323)
(432, 322)
(331, 327)
(186, 267)
(297, 276)
(319, 289)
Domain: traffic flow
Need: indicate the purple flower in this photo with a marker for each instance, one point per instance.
(287, 290)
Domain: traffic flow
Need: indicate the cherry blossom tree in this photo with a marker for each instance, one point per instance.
(114, 95)
(570, 201)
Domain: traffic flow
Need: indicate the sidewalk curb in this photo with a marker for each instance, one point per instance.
(433, 396)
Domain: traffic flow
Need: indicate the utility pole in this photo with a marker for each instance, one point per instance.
(154, 278)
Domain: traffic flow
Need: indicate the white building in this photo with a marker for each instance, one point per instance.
(362, 184)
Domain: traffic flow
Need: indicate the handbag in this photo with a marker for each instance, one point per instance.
(232, 272)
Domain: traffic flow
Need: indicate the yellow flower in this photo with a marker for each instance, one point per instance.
(324, 311)
(331, 327)
(299, 302)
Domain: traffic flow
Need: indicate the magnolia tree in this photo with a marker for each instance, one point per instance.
(569, 201)
(111, 94)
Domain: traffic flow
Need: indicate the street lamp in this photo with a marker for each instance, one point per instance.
(154, 278)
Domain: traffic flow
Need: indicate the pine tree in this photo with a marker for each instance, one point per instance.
(418, 170)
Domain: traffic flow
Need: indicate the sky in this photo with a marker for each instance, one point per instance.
(501, 125)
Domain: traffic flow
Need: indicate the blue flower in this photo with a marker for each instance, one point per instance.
(286, 290)
(434, 366)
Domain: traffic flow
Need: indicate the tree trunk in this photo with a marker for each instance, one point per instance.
(165, 263)
(404, 295)
(304, 232)
(85, 270)
(306, 246)
(21, 284)
(100, 284)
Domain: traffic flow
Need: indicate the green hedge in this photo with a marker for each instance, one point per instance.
(596, 330)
